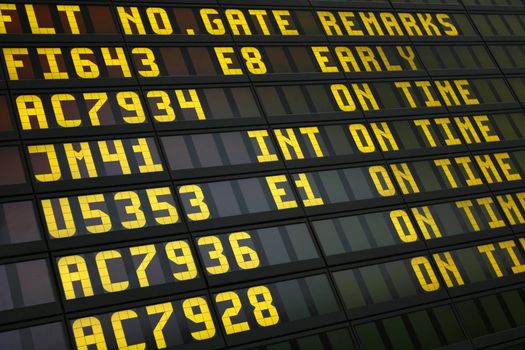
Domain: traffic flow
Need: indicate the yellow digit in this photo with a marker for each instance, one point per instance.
(230, 312)
(245, 256)
(100, 99)
(215, 254)
(263, 305)
(84, 67)
(203, 316)
(253, 60)
(132, 209)
(148, 60)
(144, 146)
(120, 60)
(89, 213)
(119, 156)
(149, 252)
(163, 105)
(166, 309)
(198, 201)
(186, 258)
(130, 101)
(191, 102)
(172, 216)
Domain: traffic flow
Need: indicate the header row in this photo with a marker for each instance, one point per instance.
(214, 23)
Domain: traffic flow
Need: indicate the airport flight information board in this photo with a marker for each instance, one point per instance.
(262, 174)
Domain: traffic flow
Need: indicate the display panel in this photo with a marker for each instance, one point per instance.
(190, 320)
(15, 180)
(19, 226)
(401, 281)
(330, 339)
(219, 152)
(119, 270)
(57, 19)
(500, 26)
(362, 236)
(433, 327)
(235, 174)
(65, 113)
(229, 199)
(504, 308)
(203, 107)
(65, 164)
(170, 323)
(26, 283)
(95, 214)
(51, 334)
(300, 301)
(169, 22)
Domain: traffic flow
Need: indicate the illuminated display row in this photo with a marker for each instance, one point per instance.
(350, 142)
(48, 115)
(64, 166)
(80, 164)
(482, 215)
(425, 327)
(210, 22)
(227, 257)
(299, 303)
(261, 62)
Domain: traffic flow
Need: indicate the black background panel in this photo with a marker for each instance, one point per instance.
(270, 175)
